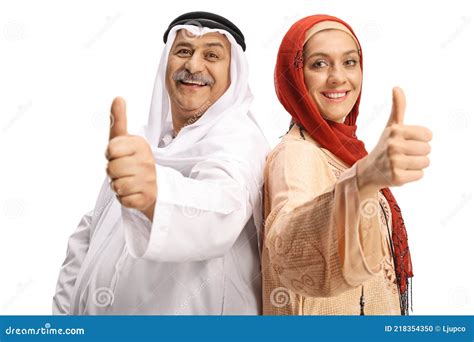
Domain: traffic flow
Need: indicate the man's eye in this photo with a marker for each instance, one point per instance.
(184, 52)
(212, 55)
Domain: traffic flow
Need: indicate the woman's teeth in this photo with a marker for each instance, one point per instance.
(335, 95)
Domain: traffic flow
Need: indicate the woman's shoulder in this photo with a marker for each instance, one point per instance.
(296, 145)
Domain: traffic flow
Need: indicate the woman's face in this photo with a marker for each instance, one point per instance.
(332, 73)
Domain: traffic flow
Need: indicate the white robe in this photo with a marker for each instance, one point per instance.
(200, 255)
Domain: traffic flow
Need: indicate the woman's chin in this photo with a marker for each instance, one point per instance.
(334, 117)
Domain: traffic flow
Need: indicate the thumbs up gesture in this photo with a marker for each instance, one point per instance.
(400, 155)
(131, 166)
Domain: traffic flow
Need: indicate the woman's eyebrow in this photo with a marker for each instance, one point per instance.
(323, 54)
(351, 51)
(318, 54)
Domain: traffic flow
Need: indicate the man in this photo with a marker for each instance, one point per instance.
(176, 230)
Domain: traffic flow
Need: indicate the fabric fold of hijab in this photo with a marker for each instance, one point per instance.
(338, 138)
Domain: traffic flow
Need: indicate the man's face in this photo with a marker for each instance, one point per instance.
(198, 73)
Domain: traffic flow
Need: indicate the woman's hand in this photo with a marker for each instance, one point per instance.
(400, 155)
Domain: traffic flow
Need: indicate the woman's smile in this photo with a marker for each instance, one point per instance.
(336, 95)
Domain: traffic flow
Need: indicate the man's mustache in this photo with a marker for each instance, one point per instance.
(185, 76)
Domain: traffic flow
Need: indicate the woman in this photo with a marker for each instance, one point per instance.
(335, 241)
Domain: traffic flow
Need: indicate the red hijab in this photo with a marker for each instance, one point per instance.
(339, 138)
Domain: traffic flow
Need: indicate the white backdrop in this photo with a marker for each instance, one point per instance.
(62, 63)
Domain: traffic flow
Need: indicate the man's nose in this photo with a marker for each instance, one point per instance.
(195, 64)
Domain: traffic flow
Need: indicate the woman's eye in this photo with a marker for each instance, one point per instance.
(320, 64)
(351, 62)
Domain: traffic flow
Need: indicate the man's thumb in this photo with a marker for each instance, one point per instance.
(398, 107)
(118, 118)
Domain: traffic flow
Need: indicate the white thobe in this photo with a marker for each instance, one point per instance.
(199, 256)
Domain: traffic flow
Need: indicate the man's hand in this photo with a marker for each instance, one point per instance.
(400, 155)
(131, 165)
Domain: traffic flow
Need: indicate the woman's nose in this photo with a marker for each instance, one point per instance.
(336, 75)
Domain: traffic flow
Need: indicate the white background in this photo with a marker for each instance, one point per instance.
(62, 63)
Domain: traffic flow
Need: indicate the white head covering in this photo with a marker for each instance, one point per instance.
(237, 98)
(227, 130)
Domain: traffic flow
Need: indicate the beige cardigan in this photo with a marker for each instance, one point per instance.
(321, 244)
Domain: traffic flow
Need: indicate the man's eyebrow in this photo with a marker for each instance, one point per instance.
(212, 44)
(191, 46)
(184, 44)
(326, 55)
